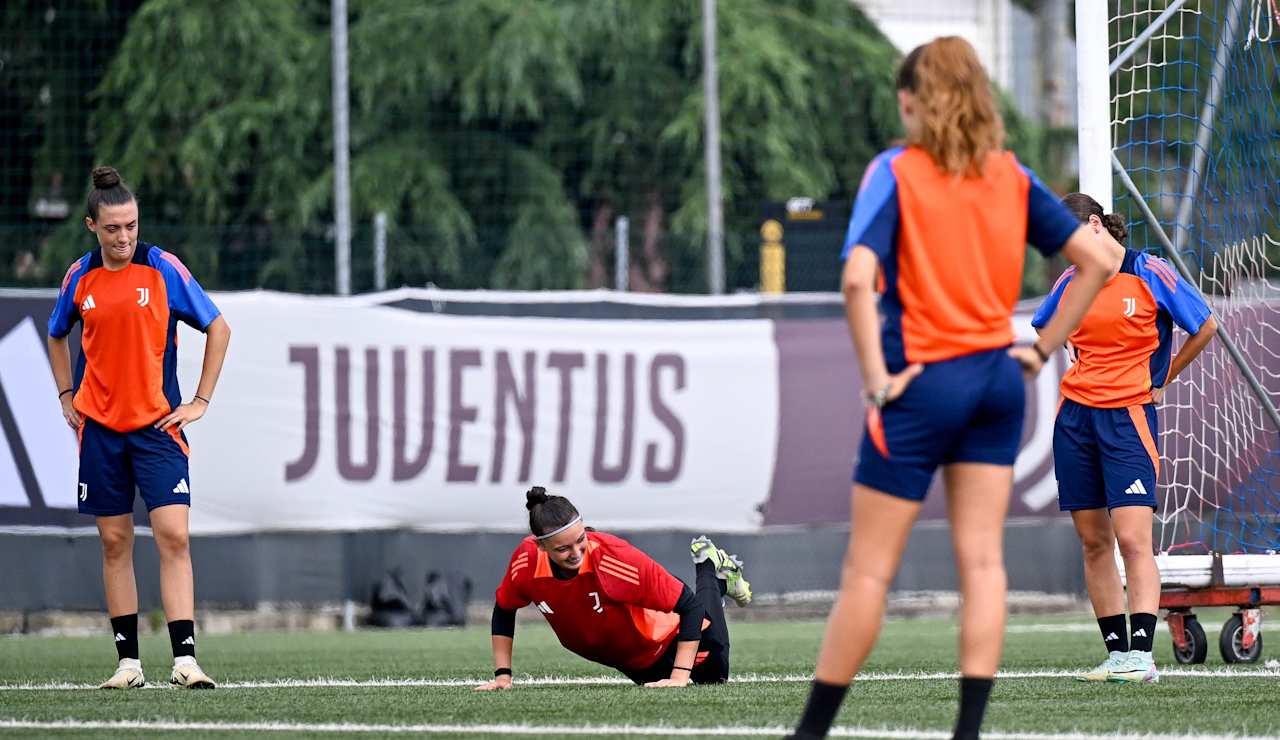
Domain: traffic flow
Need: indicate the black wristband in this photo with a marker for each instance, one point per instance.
(1044, 357)
(63, 393)
(681, 668)
(502, 672)
(202, 398)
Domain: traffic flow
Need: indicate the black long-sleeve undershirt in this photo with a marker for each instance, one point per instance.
(503, 622)
(691, 612)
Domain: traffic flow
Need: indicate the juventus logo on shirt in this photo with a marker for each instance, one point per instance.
(144, 296)
(1130, 306)
(598, 609)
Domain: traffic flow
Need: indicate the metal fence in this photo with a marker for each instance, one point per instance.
(502, 141)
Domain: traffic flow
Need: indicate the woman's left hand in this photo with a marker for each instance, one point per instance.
(669, 683)
(183, 415)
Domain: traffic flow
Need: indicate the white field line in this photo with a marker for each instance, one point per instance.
(746, 678)
(586, 730)
(1014, 629)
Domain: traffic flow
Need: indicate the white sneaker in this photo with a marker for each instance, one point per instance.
(1103, 670)
(128, 675)
(1137, 667)
(187, 674)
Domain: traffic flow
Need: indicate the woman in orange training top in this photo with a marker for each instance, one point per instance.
(944, 221)
(1104, 439)
(125, 403)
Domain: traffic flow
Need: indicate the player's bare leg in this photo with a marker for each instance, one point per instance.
(1101, 576)
(877, 537)
(177, 591)
(1133, 534)
(881, 525)
(977, 501)
(116, 533)
(1102, 579)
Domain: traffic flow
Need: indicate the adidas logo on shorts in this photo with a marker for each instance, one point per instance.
(182, 487)
(1136, 489)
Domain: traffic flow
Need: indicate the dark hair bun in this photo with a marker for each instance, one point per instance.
(1116, 226)
(105, 178)
(534, 497)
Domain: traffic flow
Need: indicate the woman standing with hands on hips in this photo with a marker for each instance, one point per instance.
(941, 225)
(124, 403)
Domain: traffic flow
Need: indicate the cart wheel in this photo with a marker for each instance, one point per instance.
(1197, 646)
(1231, 644)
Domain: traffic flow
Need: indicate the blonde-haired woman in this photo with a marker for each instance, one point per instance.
(942, 223)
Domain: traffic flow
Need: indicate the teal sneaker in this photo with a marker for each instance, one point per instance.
(1103, 670)
(1137, 667)
(728, 568)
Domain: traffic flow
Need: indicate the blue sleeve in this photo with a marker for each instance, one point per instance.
(1049, 223)
(874, 222)
(1173, 294)
(1050, 304)
(187, 299)
(65, 312)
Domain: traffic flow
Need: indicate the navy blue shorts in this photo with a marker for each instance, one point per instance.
(113, 464)
(963, 410)
(1105, 457)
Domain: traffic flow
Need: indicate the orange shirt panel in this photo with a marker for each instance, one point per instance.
(961, 246)
(126, 321)
(1113, 346)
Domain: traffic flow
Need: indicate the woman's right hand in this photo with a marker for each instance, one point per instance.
(69, 412)
(501, 683)
(898, 383)
(1029, 359)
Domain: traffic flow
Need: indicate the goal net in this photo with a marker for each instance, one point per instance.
(1195, 122)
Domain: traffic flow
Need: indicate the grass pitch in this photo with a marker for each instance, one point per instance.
(393, 683)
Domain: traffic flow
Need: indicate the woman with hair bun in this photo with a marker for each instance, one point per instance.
(124, 403)
(1105, 451)
(612, 604)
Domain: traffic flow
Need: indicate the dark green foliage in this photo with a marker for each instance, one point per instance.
(501, 137)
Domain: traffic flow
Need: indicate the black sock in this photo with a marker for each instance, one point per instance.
(182, 637)
(1144, 630)
(820, 711)
(125, 629)
(706, 575)
(973, 704)
(1114, 633)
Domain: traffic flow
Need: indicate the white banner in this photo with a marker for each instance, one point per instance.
(335, 415)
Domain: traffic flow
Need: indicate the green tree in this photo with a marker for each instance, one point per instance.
(501, 137)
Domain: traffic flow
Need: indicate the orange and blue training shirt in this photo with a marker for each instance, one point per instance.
(951, 250)
(126, 375)
(1122, 346)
